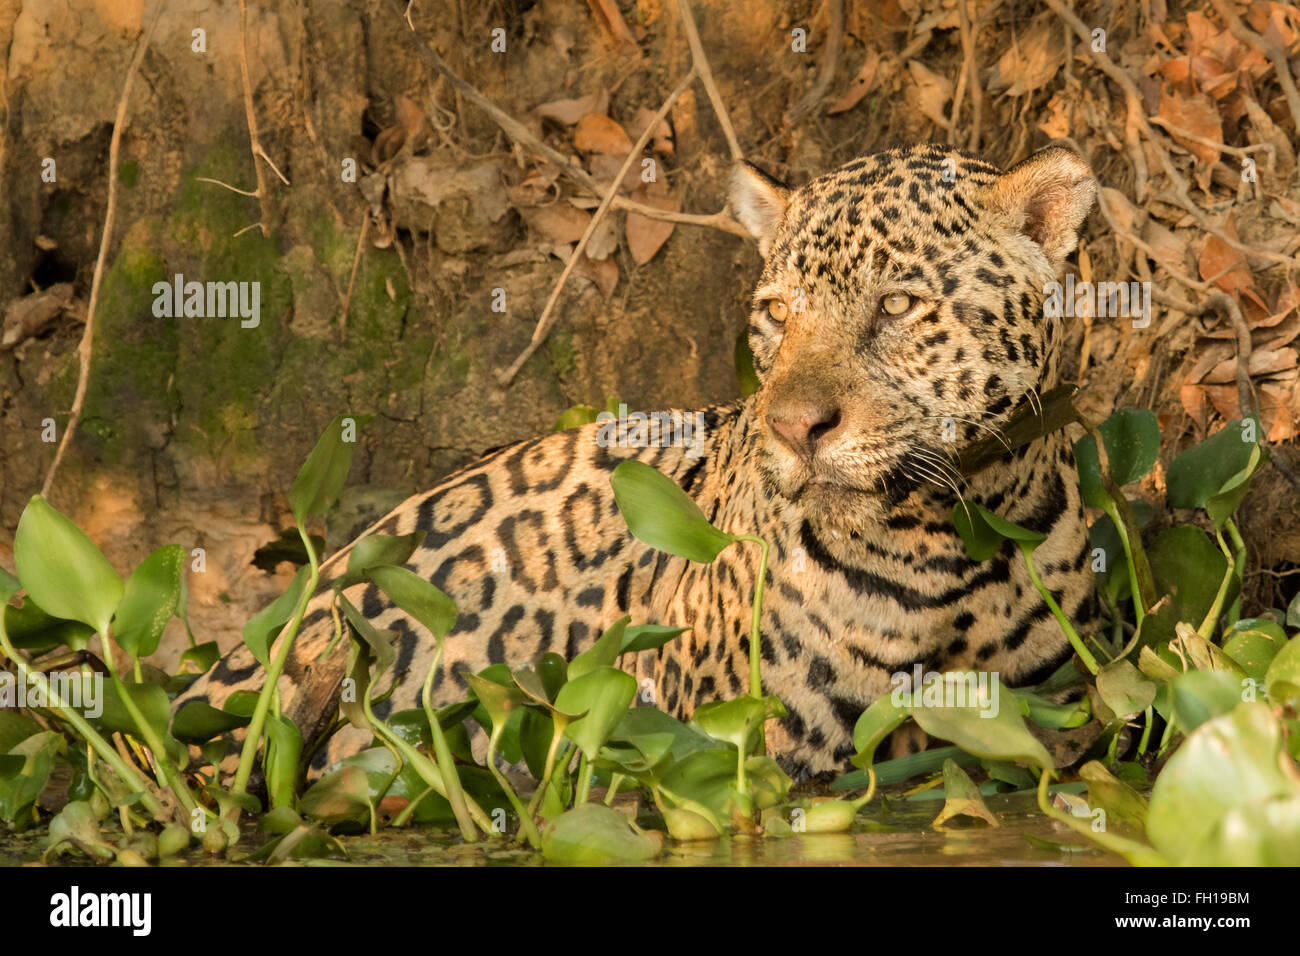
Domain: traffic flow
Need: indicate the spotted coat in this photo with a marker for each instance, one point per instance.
(899, 314)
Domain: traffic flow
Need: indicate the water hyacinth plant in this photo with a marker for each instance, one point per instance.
(1191, 709)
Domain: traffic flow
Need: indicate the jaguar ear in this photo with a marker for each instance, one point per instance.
(1046, 197)
(758, 202)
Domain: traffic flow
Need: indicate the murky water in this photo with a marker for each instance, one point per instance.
(902, 836)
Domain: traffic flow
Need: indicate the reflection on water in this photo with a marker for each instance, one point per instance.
(901, 836)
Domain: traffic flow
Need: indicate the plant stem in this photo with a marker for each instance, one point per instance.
(863, 800)
(1139, 601)
(585, 771)
(557, 738)
(162, 761)
(526, 824)
(125, 772)
(254, 734)
(1139, 854)
(446, 765)
(756, 618)
(1206, 630)
(1085, 655)
(1146, 732)
(1239, 564)
(615, 781)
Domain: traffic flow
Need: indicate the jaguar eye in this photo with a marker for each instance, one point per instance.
(895, 304)
(777, 310)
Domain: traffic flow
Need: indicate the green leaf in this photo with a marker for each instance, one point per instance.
(1132, 439)
(1221, 506)
(983, 532)
(263, 626)
(984, 728)
(1125, 689)
(575, 417)
(1113, 795)
(1189, 567)
(962, 798)
(202, 656)
(1202, 471)
(15, 727)
(374, 550)
(9, 586)
(76, 826)
(23, 779)
(643, 726)
(417, 597)
(283, 750)
(197, 722)
(659, 513)
(149, 601)
(31, 629)
(1282, 680)
(499, 701)
(1199, 696)
(1293, 612)
(340, 797)
(648, 637)
(1229, 769)
(733, 720)
(1055, 716)
(877, 722)
(603, 696)
(379, 641)
(601, 654)
(322, 476)
(62, 569)
(596, 835)
(154, 706)
(1253, 648)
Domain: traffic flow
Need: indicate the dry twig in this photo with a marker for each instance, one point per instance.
(546, 321)
(701, 64)
(830, 62)
(86, 347)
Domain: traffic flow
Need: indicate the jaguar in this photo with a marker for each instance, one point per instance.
(898, 317)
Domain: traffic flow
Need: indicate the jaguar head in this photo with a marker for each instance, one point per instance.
(900, 314)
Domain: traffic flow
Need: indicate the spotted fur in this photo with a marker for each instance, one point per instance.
(841, 460)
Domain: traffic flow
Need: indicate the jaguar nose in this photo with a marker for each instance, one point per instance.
(802, 425)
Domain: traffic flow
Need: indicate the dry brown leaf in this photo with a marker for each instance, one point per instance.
(1262, 362)
(662, 139)
(859, 86)
(646, 236)
(569, 112)
(597, 133)
(1225, 265)
(559, 221)
(1194, 401)
(603, 273)
(1275, 411)
(1195, 114)
(604, 238)
(1169, 247)
(931, 91)
(604, 167)
(1057, 122)
(1031, 60)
